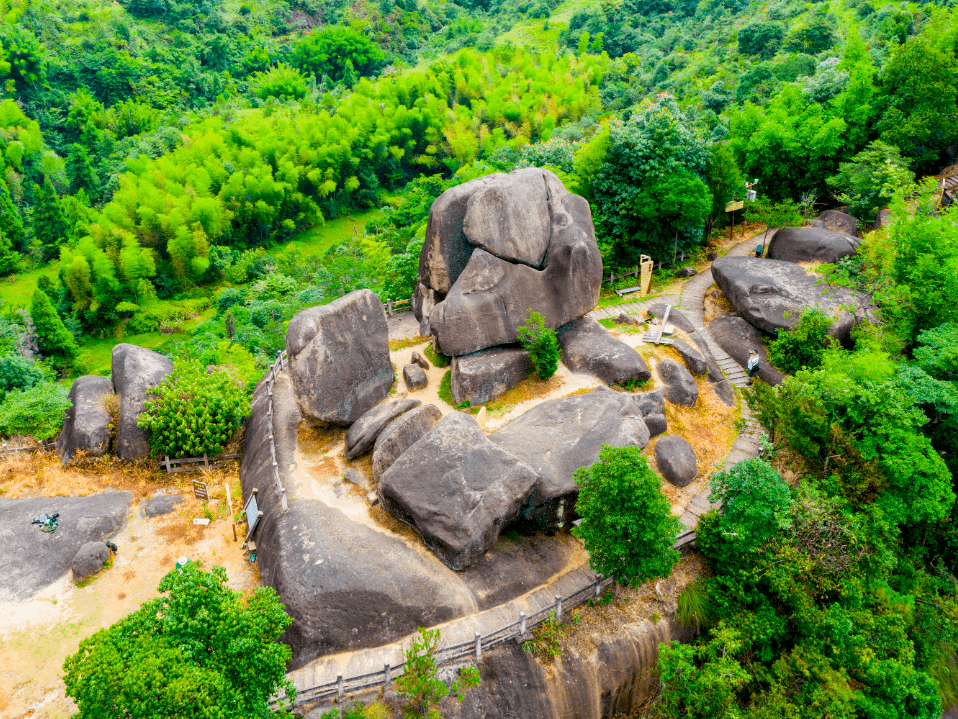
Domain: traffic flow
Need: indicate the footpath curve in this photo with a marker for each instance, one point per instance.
(329, 676)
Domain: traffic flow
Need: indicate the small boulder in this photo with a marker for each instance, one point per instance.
(89, 560)
(737, 337)
(418, 359)
(811, 244)
(680, 386)
(414, 376)
(400, 435)
(339, 358)
(624, 319)
(675, 316)
(481, 376)
(355, 477)
(134, 371)
(366, 429)
(711, 256)
(693, 358)
(588, 347)
(657, 424)
(836, 221)
(675, 459)
(685, 272)
(161, 504)
(456, 489)
(723, 390)
(652, 402)
(86, 425)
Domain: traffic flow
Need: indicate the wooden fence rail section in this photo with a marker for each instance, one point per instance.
(170, 464)
(42, 445)
(636, 271)
(397, 307)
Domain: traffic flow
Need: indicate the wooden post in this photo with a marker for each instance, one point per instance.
(206, 461)
(522, 622)
(389, 308)
(478, 646)
(558, 608)
(166, 459)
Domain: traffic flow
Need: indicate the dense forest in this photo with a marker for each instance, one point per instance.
(156, 156)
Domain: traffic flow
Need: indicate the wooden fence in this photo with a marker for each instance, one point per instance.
(398, 307)
(635, 271)
(29, 448)
(171, 464)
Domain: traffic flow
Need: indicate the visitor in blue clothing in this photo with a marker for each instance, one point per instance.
(752, 365)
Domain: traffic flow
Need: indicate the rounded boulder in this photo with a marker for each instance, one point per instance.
(676, 460)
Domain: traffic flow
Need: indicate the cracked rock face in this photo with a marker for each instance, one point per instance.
(498, 247)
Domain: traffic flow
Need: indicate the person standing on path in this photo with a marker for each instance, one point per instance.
(753, 360)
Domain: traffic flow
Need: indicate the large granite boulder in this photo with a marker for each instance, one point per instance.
(811, 244)
(675, 316)
(692, 357)
(651, 402)
(675, 459)
(366, 429)
(89, 560)
(32, 559)
(588, 347)
(657, 424)
(737, 337)
(771, 294)
(400, 435)
(134, 371)
(456, 489)
(531, 246)
(86, 426)
(680, 387)
(480, 376)
(836, 221)
(557, 437)
(339, 358)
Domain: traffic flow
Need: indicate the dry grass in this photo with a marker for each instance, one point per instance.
(395, 345)
(528, 389)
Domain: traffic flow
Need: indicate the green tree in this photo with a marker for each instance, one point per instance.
(49, 221)
(774, 214)
(802, 346)
(869, 180)
(761, 38)
(10, 220)
(627, 523)
(81, 173)
(723, 179)
(420, 686)
(329, 50)
(200, 650)
(55, 339)
(541, 343)
(681, 202)
(282, 82)
(36, 411)
(8, 256)
(18, 372)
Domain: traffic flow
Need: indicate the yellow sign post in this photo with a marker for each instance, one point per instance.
(646, 281)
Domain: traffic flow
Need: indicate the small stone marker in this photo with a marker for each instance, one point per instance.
(481, 419)
(202, 522)
(200, 490)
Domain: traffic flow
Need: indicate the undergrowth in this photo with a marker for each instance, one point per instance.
(437, 359)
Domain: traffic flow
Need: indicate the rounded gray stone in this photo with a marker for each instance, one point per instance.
(676, 460)
(680, 387)
(161, 505)
(656, 424)
(89, 560)
(414, 376)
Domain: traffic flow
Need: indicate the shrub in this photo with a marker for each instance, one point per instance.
(36, 411)
(192, 413)
(755, 499)
(803, 346)
(420, 685)
(541, 343)
(627, 523)
(201, 650)
(17, 372)
(55, 338)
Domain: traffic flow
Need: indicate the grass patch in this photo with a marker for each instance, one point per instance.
(329, 234)
(445, 393)
(693, 606)
(405, 342)
(548, 637)
(610, 324)
(437, 359)
(17, 289)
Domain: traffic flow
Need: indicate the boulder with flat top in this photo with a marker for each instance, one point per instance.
(363, 433)
(680, 387)
(481, 376)
(589, 348)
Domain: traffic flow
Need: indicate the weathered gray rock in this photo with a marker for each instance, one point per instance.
(558, 436)
(675, 459)
(680, 387)
(509, 217)
(480, 376)
(715, 371)
(402, 434)
(366, 429)
(737, 337)
(686, 272)
(588, 347)
(31, 559)
(339, 358)
(675, 317)
(836, 221)
(652, 402)
(86, 426)
(725, 392)
(492, 296)
(161, 504)
(811, 244)
(89, 560)
(693, 358)
(456, 489)
(418, 359)
(882, 218)
(414, 376)
(771, 294)
(657, 424)
(134, 371)
(355, 477)
(624, 319)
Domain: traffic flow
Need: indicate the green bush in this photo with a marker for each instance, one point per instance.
(437, 359)
(36, 411)
(541, 343)
(192, 413)
(803, 346)
(627, 522)
(200, 650)
(420, 686)
(17, 372)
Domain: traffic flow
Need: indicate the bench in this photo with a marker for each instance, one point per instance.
(627, 290)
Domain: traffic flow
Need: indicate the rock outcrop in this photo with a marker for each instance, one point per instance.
(836, 221)
(675, 317)
(558, 436)
(675, 459)
(86, 426)
(680, 387)
(811, 244)
(339, 358)
(89, 560)
(480, 376)
(456, 489)
(531, 246)
(400, 435)
(134, 371)
(161, 504)
(692, 357)
(737, 337)
(588, 347)
(652, 402)
(772, 294)
(363, 433)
